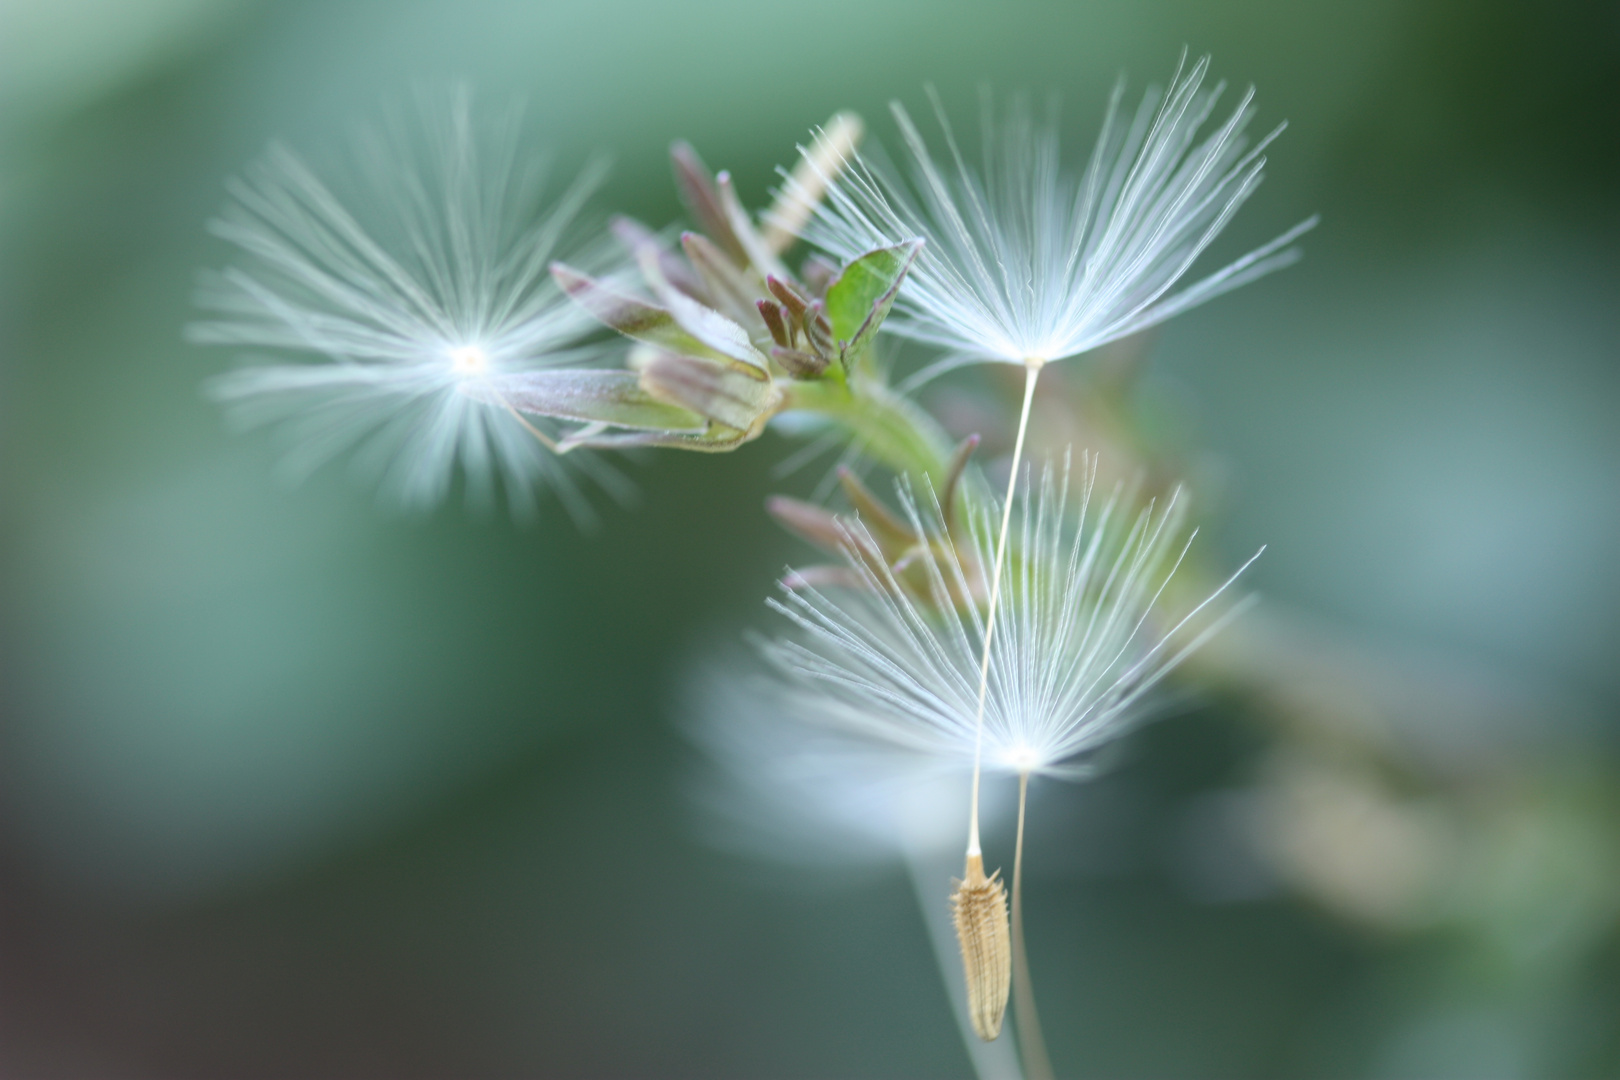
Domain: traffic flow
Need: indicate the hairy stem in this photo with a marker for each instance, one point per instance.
(1032, 372)
(1031, 1046)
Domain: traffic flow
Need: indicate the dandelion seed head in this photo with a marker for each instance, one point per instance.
(1027, 262)
(1083, 637)
(392, 310)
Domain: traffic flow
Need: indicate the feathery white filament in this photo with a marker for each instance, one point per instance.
(1075, 654)
(414, 295)
(1026, 260)
(1032, 372)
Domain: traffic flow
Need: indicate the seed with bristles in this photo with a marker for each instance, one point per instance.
(979, 905)
(834, 146)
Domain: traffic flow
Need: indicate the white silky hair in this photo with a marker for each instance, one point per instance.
(1078, 644)
(406, 299)
(781, 782)
(1024, 260)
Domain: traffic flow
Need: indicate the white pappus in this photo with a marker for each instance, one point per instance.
(1081, 640)
(407, 302)
(1027, 263)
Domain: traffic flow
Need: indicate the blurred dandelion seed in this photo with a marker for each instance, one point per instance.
(414, 297)
(468, 362)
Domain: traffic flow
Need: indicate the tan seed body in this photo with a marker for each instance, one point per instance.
(979, 904)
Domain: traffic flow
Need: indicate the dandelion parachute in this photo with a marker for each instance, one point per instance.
(1028, 263)
(1085, 633)
(408, 304)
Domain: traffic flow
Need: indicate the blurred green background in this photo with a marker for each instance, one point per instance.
(291, 786)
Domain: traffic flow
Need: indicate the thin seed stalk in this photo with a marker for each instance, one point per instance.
(893, 430)
(1031, 1045)
(988, 970)
(1032, 372)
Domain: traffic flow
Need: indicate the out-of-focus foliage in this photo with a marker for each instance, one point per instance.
(289, 785)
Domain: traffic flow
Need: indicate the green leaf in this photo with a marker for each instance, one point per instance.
(760, 255)
(681, 326)
(608, 397)
(630, 316)
(716, 439)
(726, 285)
(714, 334)
(863, 285)
(860, 345)
(712, 390)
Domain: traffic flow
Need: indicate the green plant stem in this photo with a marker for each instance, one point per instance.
(1031, 1046)
(882, 424)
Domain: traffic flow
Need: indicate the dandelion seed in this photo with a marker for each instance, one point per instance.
(1084, 638)
(979, 906)
(1026, 263)
(411, 302)
(906, 658)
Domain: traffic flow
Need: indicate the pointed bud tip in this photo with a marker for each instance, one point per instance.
(566, 276)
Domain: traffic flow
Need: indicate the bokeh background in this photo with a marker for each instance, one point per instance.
(293, 786)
